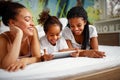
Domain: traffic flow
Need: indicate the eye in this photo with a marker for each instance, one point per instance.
(58, 34)
(71, 26)
(79, 25)
(27, 18)
(51, 35)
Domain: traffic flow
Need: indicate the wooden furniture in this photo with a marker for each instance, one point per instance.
(112, 39)
(107, 74)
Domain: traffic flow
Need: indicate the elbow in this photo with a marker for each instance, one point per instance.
(3, 65)
(95, 48)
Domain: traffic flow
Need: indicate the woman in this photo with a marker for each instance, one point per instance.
(19, 46)
(79, 34)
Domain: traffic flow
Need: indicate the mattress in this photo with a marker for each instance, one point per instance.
(65, 67)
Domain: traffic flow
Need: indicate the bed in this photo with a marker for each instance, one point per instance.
(69, 68)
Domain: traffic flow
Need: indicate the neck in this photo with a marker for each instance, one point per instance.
(23, 38)
(78, 38)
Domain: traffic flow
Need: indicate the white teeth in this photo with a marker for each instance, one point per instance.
(54, 41)
(76, 31)
(30, 29)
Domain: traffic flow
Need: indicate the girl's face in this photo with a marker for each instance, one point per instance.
(53, 34)
(24, 22)
(77, 25)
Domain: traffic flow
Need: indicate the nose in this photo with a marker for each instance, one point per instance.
(55, 37)
(75, 28)
(32, 23)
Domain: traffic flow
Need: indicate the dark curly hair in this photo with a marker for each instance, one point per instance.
(46, 20)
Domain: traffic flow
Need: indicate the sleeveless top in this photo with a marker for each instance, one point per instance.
(10, 43)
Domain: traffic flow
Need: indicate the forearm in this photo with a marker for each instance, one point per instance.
(35, 45)
(30, 60)
(92, 54)
(13, 52)
(94, 43)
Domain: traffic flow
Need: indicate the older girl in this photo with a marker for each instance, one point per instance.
(79, 34)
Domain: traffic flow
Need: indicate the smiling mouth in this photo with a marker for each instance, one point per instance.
(53, 41)
(31, 28)
(76, 31)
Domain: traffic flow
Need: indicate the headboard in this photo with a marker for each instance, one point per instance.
(112, 39)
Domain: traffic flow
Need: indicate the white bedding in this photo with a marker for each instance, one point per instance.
(53, 69)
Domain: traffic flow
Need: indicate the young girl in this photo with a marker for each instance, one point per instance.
(52, 41)
(19, 46)
(79, 34)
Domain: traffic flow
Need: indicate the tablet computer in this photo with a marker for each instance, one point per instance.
(63, 54)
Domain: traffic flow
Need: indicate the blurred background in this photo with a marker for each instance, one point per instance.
(104, 14)
(59, 8)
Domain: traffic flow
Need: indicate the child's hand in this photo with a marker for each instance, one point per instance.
(75, 54)
(46, 56)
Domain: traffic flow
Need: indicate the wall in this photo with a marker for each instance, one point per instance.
(59, 8)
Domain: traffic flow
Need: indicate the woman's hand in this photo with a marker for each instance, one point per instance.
(46, 56)
(16, 30)
(19, 64)
(89, 53)
(92, 54)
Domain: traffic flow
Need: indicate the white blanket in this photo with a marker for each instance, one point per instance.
(65, 66)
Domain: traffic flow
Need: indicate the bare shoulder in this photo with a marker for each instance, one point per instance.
(2, 39)
(3, 44)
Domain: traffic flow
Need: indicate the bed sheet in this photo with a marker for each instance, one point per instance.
(63, 67)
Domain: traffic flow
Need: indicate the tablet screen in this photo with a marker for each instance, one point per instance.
(63, 54)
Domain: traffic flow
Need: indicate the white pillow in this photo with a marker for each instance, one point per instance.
(64, 22)
(40, 31)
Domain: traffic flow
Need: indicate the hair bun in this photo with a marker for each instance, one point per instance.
(43, 17)
(3, 6)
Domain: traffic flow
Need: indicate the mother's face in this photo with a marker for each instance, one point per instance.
(77, 25)
(24, 21)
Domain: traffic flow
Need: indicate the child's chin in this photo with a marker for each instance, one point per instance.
(77, 33)
(53, 43)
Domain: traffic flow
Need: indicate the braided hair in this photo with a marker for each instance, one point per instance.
(79, 11)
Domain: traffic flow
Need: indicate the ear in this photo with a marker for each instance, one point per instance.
(11, 22)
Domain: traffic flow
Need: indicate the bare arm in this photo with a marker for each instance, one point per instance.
(94, 43)
(14, 63)
(70, 47)
(35, 46)
(69, 44)
(12, 53)
(3, 47)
